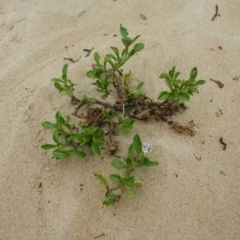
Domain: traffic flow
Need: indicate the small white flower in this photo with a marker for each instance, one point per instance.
(129, 36)
(146, 148)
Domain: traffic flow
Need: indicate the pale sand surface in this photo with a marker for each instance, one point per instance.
(182, 198)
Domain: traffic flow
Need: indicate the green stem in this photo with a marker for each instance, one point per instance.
(128, 171)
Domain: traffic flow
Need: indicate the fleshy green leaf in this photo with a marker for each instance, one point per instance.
(163, 75)
(126, 126)
(131, 53)
(193, 73)
(128, 161)
(183, 97)
(60, 154)
(176, 75)
(70, 83)
(115, 51)
(135, 38)
(136, 95)
(99, 73)
(175, 92)
(138, 47)
(96, 148)
(116, 178)
(62, 121)
(177, 82)
(137, 144)
(169, 83)
(131, 151)
(101, 179)
(139, 86)
(127, 42)
(76, 136)
(48, 125)
(48, 146)
(58, 86)
(55, 136)
(96, 57)
(185, 88)
(171, 72)
(80, 154)
(130, 192)
(64, 72)
(147, 163)
(163, 96)
(99, 84)
(199, 82)
(69, 92)
(110, 56)
(118, 164)
(111, 199)
(129, 180)
(124, 52)
(124, 32)
(91, 74)
(58, 117)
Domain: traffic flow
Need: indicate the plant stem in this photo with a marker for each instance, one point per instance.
(105, 104)
(79, 106)
(128, 171)
(113, 129)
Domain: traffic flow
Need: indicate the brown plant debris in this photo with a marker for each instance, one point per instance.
(223, 143)
(236, 78)
(198, 158)
(88, 51)
(187, 129)
(220, 84)
(223, 173)
(219, 112)
(94, 116)
(72, 60)
(216, 14)
(144, 110)
(143, 17)
(113, 146)
(75, 101)
(103, 234)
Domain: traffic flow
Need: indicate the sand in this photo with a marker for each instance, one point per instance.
(195, 191)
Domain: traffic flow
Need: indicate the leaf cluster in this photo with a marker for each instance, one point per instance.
(108, 72)
(126, 183)
(125, 125)
(64, 84)
(180, 90)
(129, 93)
(67, 142)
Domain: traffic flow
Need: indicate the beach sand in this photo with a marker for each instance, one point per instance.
(194, 193)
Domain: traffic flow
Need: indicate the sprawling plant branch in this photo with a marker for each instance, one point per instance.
(103, 118)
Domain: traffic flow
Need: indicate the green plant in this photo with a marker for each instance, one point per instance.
(102, 119)
(64, 84)
(180, 90)
(123, 124)
(68, 142)
(126, 183)
(104, 76)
